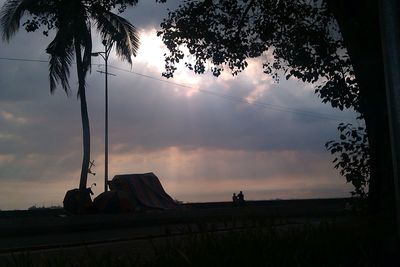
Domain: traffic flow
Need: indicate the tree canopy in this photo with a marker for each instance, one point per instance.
(72, 20)
(294, 38)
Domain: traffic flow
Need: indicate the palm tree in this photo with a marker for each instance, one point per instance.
(72, 20)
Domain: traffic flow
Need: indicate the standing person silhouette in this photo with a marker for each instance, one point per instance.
(234, 199)
(240, 197)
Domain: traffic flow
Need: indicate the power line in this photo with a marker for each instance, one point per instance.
(242, 100)
(223, 96)
(24, 59)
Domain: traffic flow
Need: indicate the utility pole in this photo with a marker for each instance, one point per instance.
(104, 54)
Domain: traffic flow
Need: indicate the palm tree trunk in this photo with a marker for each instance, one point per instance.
(84, 116)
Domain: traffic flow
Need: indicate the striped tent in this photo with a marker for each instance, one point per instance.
(145, 188)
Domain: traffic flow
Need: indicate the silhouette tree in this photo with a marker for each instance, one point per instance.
(334, 44)
(72, 21)
(352, 157)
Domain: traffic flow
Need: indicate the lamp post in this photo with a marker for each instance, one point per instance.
(104, 54)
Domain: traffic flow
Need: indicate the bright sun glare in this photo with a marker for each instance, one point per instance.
(151, 54)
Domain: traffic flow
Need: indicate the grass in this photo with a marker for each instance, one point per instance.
(323, 245)
(326, 244)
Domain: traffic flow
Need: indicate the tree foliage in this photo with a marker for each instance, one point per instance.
(352, 157)
(294, 39)
(72, 21)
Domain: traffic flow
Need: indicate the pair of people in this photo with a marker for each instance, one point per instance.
(239, 198)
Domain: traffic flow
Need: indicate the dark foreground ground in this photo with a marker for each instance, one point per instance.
(41, 223)
(320, 232)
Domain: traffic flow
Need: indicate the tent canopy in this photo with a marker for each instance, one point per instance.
(115, 201)
(145, 188)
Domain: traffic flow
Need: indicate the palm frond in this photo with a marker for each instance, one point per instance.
(13, 10)
(61, 55)
(119, 31)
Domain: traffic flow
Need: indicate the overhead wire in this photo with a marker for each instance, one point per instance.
(222, 96)
(242, 100)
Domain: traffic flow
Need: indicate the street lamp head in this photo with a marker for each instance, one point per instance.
(95, 54)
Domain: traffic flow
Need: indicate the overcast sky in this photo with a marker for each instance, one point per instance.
(195, 132)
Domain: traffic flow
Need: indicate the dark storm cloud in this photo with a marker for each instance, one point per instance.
(148, 13)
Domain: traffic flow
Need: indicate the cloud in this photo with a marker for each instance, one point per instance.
(149, 14)
(192, 175)
(154, 115)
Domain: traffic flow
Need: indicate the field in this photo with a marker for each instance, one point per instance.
(260, 233)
